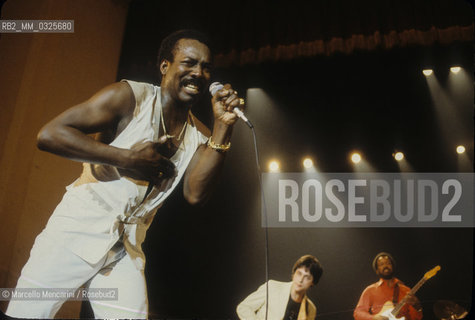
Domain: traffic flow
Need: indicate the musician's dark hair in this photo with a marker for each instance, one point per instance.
(383, 254)
(312, 263)
(168, 44)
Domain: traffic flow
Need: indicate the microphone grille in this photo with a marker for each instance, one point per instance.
(215, 87)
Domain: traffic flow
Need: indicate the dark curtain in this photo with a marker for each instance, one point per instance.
(253, 32)
(285, 30)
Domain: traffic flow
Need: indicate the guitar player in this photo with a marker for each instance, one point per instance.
(379, 298)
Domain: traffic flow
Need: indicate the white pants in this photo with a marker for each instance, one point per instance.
(52, 266)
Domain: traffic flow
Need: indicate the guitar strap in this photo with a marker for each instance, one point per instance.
(396, 294)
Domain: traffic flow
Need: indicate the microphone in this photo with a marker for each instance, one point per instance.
(215, 87)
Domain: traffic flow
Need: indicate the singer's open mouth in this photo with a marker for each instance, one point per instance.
(192, 86)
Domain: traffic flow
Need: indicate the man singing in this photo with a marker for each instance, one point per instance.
(148, 139)
(387, 291)
(287, 300)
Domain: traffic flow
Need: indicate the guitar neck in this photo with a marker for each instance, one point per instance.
(413, 291)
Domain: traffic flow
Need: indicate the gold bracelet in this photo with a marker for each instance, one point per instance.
(218, 147)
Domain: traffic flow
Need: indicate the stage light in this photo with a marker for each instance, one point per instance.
(455, 69)
(274, 166)
(356, 157)
(460, 149)
(307, 163)
(398, 156)
(427, 72)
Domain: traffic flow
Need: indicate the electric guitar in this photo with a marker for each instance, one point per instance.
(390, 311)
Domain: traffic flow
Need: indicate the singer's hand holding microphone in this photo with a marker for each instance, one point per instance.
(226, 104)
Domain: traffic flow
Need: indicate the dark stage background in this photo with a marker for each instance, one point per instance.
(321, 78)
(365, 94)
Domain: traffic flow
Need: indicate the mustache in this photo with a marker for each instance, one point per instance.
(196, 82)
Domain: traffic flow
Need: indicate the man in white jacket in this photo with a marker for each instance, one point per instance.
(287, 300)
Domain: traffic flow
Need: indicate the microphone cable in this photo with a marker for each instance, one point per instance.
(264, 212)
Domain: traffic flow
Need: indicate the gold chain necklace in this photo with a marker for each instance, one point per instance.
(165, 129)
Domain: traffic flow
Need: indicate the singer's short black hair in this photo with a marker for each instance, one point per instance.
(313, 265)
(168, 44)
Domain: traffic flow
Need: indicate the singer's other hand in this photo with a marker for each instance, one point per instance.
(148, 162)
(224, 101)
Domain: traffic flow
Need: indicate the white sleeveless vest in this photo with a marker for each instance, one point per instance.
(96, 212)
